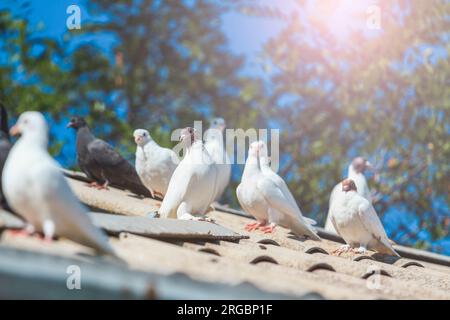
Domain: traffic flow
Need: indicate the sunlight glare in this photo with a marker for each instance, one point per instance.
(338, 17)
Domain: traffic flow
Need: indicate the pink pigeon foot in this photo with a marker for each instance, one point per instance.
(342, 249)
(268, 229)
(103, 186)
(98, 186)
(92, 185)
(47, 239)
(43, 238)
(20, 233)
(253, 226)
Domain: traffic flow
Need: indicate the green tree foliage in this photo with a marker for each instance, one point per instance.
(170, 66)
(167, 64)
(383, 95)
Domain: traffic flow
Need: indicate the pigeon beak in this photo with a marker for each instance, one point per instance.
(370, 166)
(183, 137)
(222, 127)
(14, 131)
(69, 125)
(137, 139)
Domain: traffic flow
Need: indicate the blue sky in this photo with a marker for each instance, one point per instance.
(245, 34)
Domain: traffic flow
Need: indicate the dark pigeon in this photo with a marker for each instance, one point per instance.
(5, 146)
(102, 164)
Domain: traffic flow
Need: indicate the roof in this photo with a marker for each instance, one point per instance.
(189, 259)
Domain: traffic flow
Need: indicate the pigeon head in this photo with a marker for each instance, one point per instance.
(262, 148)
(348, 185)
(253, 150)
(218, 123)
(141, 137)
(360, 165)
(188, 135)
(77, 123)
(30, 123)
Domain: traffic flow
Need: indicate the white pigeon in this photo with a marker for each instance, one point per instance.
(154, 164)
(251, 200)
(264, 162)
(356, 173)
(36, 189)
(215, 146)
(193, 185)
(265, 196)
(357, 222)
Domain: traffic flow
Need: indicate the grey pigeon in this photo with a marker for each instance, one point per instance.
(101, 163)
(5, 147)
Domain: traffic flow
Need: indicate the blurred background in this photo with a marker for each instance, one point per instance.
(339, 78)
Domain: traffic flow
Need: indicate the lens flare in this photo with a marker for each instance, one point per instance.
(339, 18)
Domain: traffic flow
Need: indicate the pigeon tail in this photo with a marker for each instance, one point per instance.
(385, 247)
(303, 228)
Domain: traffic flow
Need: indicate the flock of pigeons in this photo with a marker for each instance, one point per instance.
(33, 185)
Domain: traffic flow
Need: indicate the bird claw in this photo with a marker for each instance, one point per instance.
(205, 219)
(188, 216)
(103, 187)
(98, 186)
(252, 226)
(47, 239)
(268, 229)
(20, 233)
(342, 249)
(361, 250)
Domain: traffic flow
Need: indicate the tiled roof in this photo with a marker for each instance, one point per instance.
(245, 265)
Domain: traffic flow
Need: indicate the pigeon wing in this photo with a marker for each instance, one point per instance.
(281, 184)
(179, 184)
(329, 225)
(104, 154)
(278, 201)
(110, 165)
(69, 215)
(373, 225)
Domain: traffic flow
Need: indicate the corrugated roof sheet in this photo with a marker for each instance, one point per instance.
(277, 265)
